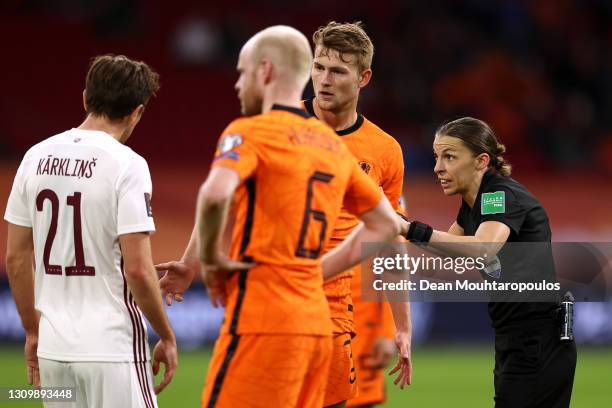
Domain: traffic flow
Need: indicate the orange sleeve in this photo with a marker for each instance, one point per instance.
(387, 325)
(237, 150)
(393, 179)
(362, 193)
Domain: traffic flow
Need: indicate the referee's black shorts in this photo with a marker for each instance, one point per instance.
(533, 368)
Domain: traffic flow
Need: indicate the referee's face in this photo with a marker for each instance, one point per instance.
(456, 166)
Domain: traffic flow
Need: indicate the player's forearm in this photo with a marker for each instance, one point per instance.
(212, 216)
(401, 316)
(190, 256)
(351, 252)
(386, 328)
(340, 258)
(192, 246)
(21, 279)
(471, 246)
(401, 310)
(145, 289)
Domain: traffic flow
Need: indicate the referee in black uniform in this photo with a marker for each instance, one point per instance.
(533, 366)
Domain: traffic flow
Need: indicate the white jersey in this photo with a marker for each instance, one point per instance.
(79, 191)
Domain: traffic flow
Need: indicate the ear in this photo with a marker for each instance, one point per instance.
(364, 78)
(134, 117)
(84, 100)
(482, 161)
(139, 110)
(266, 70)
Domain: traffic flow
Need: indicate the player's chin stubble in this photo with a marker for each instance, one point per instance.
(326, 105)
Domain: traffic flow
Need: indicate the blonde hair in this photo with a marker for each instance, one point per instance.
(346, 38)
(287, 47)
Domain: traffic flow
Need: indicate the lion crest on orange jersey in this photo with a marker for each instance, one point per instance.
(365, 166)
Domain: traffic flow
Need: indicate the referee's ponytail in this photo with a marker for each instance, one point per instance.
(479, 138)
(499, 163)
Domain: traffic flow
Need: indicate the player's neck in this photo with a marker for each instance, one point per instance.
(470, 195)
(98, 123)
(280, 96)
(338, 120)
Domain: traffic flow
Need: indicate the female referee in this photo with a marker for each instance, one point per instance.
(533, 367)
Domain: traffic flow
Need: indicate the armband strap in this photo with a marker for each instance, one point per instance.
(419, 232)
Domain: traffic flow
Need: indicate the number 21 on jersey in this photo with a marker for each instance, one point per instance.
(80, 269)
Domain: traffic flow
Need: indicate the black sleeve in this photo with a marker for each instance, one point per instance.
(499, 203)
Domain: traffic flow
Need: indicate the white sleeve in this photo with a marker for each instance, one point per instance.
(134, 189)
(17, 211)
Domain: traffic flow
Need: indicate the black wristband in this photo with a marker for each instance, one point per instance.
(419, 232)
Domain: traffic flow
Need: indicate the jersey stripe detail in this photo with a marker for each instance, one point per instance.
(135, 335)
(143, 349)
(248, 224)
(231, 349)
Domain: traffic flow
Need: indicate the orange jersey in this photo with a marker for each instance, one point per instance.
(380, 157)
(296, 175)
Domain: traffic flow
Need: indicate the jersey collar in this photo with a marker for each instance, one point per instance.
(308, 104)
(291, 109)
(92, 132)
(486, 179)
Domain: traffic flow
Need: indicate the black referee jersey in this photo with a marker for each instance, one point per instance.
(502, 199)
(533, 368)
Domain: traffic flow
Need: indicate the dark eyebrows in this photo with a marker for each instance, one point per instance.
(450, 149)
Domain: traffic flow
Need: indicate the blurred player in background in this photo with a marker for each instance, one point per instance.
(342, 67)
(287, 175)
(80, 207)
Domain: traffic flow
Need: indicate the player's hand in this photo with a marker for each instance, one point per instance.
(30, 349)
(215, 274)
(215, 285)
(404, 362)
(165, 352)
(177, 278)
(382, 353)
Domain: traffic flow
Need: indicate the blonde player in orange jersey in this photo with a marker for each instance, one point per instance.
(342, 67)
(280, 179)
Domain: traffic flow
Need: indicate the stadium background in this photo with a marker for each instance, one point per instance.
(540, 72)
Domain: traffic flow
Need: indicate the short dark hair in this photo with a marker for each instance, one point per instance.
(478, 136)
(346, 38)
(115, 85)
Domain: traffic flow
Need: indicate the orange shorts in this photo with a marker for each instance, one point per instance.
(265, 370)
(371, 381)
(342, 376)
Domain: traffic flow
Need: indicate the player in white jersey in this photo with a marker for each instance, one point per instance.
(80, 206)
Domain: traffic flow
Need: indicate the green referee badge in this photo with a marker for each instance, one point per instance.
(493, 203)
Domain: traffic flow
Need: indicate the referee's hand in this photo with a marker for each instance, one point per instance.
(404, 362)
